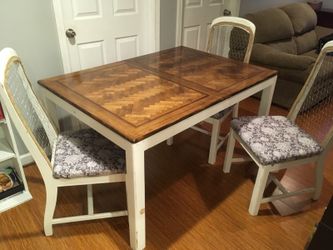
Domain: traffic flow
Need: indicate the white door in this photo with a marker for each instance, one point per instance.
(96, 32)
(195, 16)
(198, 15)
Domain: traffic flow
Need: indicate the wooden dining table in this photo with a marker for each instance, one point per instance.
(143, 101)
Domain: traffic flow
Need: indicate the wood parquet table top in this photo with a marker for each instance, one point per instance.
(140, 96)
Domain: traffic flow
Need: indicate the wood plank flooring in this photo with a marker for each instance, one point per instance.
(189, 205)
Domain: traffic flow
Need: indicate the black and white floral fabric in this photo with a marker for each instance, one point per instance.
(86, 153)
(275, 139)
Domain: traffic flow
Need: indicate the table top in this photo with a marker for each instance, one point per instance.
(140, 96)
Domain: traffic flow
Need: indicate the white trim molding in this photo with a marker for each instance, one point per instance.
(157, 20)
(26, 159)
(179, 22)
(62, 39)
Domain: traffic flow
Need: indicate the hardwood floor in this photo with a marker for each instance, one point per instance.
(189, 205)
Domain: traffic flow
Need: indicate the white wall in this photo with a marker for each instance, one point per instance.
(248, 6)
(327, 5)
(29, 28)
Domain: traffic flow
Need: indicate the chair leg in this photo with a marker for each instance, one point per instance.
(229, 152)
(169, 141)
(90, 199)
(318, 178)
(216, 127)
(258, 190)
(51, 200)
(235, 110)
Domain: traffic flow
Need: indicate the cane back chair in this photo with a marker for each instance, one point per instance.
(230, 37)
(64, 159)
(278, 142)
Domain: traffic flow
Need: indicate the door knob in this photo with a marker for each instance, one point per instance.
(70, 33)
(226, 12)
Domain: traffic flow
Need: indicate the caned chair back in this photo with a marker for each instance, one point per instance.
(24, 109)
(231, 37)
(313, 108)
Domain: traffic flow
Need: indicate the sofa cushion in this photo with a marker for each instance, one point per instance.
(306, 42)
(285, 92)
(322, 31)
(287, 46)
(311, 53)
(271, 25)
(268, 55)
(295, 75)
(302, 16)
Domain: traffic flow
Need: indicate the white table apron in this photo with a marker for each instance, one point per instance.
(135, 183)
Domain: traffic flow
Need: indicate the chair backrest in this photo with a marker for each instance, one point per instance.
(313, 108)
(25, 111)
(231, 37)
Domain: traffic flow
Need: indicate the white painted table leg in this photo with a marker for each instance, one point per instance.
(135, 189)
(235, 109)
(214, 139)
(266, 98)
(229, 152)
(90, 199)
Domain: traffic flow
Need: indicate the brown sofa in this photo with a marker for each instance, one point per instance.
(286, 40)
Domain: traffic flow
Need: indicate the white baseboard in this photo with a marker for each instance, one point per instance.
(26, 159)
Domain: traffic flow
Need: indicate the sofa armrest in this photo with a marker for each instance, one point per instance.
(264, 54)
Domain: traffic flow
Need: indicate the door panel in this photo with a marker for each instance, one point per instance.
(198, 15)
(86, 8)
(192, 37)
(215, 2)
(193, 3)
(91, 54)
(127, 47)
(122, 7)
(106, 31)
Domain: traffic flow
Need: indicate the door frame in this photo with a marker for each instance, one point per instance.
(153, 30)
(179, 22)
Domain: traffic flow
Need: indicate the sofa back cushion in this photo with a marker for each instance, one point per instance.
(302, 16)
(271, 25)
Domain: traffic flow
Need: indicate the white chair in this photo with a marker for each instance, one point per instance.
(230, 37)
(67, 159)
(304, 136)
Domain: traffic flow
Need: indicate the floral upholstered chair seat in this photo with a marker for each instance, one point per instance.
(86, 153)
(274, 139)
